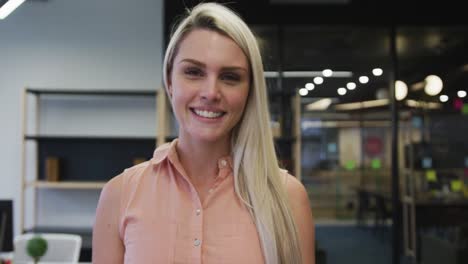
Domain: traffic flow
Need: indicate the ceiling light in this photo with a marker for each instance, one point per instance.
(327, 72)
(401, 90)
(9, 7)
(423, 104)
(309, 86)
(377, 72)
(461, 94)
(360, 105)
(363, 79)
(341, 91)
(318, 80)
(443, 98)
(433, 85)
(351, 86)
(321, 104)
(303, 91)
(417, 86)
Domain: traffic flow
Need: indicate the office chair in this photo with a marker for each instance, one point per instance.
(60, 248)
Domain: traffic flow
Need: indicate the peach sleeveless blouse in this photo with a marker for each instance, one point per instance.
(163, 221)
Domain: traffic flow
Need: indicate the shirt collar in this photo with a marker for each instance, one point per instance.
(169, 151)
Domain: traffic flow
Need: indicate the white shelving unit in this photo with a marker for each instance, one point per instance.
(66, 122)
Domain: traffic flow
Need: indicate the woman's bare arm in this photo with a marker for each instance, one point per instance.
(107, 245)
(303, 217)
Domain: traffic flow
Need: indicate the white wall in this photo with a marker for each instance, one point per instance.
(103, 44)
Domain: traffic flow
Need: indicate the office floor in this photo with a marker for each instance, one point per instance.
(346, 243)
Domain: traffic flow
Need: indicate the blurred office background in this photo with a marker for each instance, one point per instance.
(368, 103)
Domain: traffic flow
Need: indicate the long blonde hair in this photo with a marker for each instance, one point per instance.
(257, 176)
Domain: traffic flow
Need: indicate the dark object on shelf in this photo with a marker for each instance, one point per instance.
(92, 158)
(52, 169)
(6, 225)
(137, 161)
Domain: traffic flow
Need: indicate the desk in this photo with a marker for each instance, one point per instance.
(376, 202)
(428, 213)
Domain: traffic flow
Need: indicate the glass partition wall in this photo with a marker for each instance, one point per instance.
(434, 144)
(342, 77)
(335, 71)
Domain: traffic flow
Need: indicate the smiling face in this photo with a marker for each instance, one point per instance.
(208, 85)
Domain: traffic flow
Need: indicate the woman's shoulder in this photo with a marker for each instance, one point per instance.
(133, 175)
(295, 189)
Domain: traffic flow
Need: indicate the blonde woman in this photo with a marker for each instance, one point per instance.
(216, 194)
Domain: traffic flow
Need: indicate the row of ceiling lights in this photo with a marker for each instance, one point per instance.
(341, 91)
(432, 85)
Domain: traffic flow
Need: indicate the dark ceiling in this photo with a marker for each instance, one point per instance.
(356, 37)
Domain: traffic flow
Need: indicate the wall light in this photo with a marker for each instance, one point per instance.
(433, 85)
(401, 90)
(9, 7)
(461, 94)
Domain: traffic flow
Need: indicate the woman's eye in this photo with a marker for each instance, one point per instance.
(230, 77)
(193, 72)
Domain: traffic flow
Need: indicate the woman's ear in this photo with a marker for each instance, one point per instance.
(169, 90)
(169, 87)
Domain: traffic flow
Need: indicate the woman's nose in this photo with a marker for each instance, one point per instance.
(211, 90)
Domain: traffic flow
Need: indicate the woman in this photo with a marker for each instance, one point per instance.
(215, 194)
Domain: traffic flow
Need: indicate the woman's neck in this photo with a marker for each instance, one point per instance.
(200, 159)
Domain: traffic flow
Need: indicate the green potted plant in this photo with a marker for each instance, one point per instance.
(36, 247)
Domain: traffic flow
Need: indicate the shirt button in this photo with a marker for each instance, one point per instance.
(223, 163)
(197, 242)
(198, 211)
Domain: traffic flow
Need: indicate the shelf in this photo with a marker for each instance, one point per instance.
(87, 138)
(93, 92)
(66, 185)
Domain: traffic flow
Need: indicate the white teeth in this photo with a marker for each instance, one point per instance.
(208, 114)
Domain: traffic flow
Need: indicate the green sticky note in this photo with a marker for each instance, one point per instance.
(350, 165)
(376, 164)
(465, 109)
(456, 185)
(431, 175)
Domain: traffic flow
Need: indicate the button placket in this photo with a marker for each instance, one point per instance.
(223, 163)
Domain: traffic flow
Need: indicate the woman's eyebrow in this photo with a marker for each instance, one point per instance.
(198, 63)
(201, 64)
